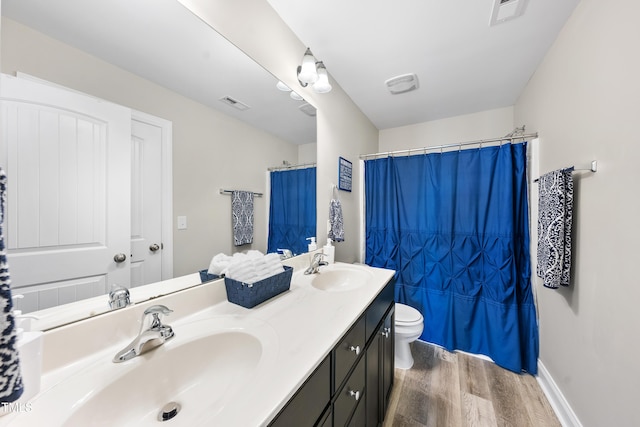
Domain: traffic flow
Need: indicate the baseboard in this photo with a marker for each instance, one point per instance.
(556, 399)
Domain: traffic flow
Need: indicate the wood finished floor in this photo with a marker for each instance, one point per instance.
(445, 389)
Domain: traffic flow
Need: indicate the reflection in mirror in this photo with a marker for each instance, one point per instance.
(292, 210)
(175, 81)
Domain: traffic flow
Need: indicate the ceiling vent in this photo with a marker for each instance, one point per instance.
(234, 103)
(506, 10)
(402, 84)
(308, 109)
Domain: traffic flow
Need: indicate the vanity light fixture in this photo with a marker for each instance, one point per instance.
(295, 95)
(322, 85)
(283, 87)
(314, 73)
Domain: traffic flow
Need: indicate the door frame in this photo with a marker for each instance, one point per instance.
(167, 187)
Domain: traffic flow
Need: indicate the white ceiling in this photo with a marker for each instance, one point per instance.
(463, 64)
(165, 43)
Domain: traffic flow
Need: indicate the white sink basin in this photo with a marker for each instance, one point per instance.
(340, 277)
(206, 366)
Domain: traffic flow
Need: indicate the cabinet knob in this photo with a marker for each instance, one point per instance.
(355, 349)
(385, 332)
(354, 394)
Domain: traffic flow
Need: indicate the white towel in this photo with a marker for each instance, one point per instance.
(253, 267)
(219, 264)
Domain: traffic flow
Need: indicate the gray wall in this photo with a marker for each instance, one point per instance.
(584, 101)
(343, 130)
(207, 145)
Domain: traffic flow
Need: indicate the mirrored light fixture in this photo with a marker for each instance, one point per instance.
(314, 73)
(294, 95)
(283, 87)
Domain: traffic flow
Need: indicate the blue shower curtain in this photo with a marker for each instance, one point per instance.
(454, 226)
(292, 212)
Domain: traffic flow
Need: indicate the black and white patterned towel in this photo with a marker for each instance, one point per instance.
(242, 211)
(555, 217)
(11, 386)
(336, 231)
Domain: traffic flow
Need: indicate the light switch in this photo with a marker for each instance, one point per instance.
(182, 223)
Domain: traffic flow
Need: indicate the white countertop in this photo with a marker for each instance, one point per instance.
(307, 323)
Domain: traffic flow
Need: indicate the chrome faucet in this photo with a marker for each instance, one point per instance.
(316, 263)
(119, 297)
(285, 253)
(152, 334)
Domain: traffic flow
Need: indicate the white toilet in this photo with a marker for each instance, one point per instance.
(409, 325)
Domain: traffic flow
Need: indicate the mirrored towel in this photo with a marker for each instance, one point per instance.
(555, 217)
(336, 231)
(242, 211)
(11, 386)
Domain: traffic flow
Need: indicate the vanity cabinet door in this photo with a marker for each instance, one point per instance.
(380, 366)
(309, 402)
(388, 357)
(374, 377)
(348, 351)
(350, 395)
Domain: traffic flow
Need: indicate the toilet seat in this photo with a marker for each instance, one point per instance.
(407, 316)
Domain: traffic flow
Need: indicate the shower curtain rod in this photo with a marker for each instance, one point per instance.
(284, 167)
(440, 147)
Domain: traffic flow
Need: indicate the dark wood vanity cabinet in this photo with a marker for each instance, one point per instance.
(380, 367)
(358, 374)
(311, 400)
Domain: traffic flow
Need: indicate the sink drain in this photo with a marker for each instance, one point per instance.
(169, 411)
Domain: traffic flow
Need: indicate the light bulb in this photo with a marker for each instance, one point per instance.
(322, 85)
(295, 96)
(283, 87)
(307, 73)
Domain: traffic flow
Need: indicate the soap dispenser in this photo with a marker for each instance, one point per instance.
(330, 251)
(312, 245)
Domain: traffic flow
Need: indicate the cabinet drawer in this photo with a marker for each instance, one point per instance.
(306, 406)
(348, 350)
(350, 396)
(378, 308)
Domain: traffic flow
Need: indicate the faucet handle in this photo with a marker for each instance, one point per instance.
(158, 309)
(151, 318)
(318, 256)
(119, 297)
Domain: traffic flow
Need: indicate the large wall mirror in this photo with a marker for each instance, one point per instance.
(226, 121)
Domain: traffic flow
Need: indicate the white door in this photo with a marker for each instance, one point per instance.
(146, 203)
(68, 162)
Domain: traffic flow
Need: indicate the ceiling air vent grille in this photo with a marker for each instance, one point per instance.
(308, 109)
(506, 10)
(402, 84)
(234, 103)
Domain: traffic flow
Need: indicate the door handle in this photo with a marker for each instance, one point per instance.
(119, 258)
(154, 247)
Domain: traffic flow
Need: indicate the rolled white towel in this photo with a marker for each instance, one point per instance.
(270, 273)
(253, 266)
(219, 263)
(238, 271)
